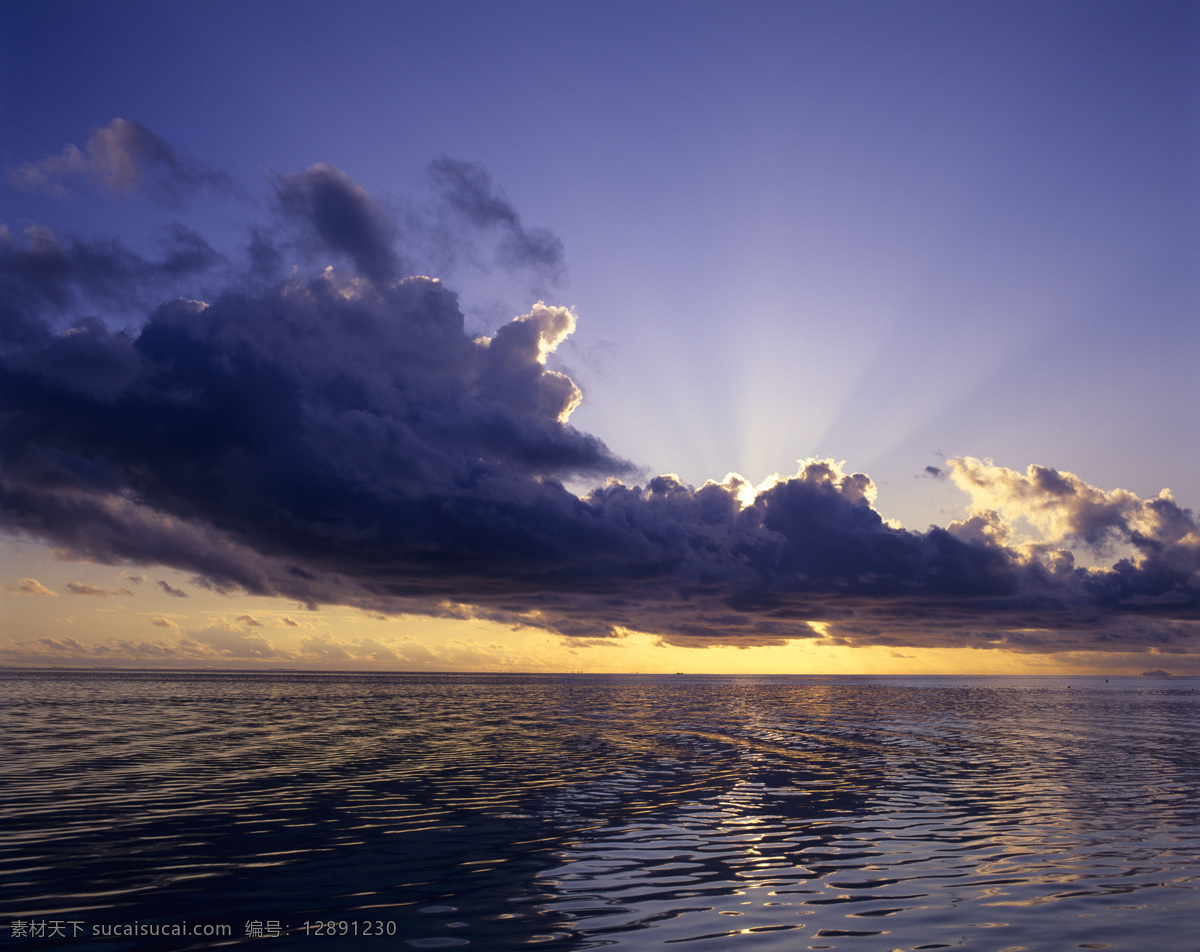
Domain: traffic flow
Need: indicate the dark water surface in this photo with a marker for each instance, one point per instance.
(573, 812)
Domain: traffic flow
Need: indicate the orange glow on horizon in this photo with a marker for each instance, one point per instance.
(84, 615)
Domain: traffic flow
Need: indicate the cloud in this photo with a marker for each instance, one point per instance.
(1065, 509)
(84, 588)
(511, 365)
(342, 217)
(223, 644)
(53, 288)
(50, 651)
(170, 590)
(236, 644)
(29, 586)
(122, 157)
(334, 435)
(468, 190)
(326, 647)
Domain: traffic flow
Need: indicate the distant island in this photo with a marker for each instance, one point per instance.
(1156, 673)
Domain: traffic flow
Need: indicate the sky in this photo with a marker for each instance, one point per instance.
(762, 337)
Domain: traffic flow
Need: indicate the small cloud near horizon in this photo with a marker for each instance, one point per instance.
(29, 586)
(85, 588)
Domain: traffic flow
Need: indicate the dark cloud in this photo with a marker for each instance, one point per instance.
(468, 230)
(122, 157)
(336, 436)
(468, 189)
(327, 205)
(48, 284)
(171, 590)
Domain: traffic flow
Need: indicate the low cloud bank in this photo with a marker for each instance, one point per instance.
(336, 436)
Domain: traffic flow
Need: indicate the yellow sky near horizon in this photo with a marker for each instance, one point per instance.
(83, 614)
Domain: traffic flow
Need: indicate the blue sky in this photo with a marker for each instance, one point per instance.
(889, 234)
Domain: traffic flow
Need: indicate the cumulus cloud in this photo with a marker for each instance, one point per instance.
(29, 586)
(1066, 510)
(511, 365)
(336, 436)
(121, 157)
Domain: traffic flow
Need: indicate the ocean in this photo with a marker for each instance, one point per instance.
(274, 811)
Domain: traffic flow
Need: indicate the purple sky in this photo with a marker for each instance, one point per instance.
(895, 235)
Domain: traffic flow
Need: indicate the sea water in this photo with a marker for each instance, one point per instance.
(273, 811)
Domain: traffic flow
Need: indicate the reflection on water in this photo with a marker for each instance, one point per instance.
(585, 811)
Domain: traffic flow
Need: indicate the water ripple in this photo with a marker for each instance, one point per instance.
(572, 812)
